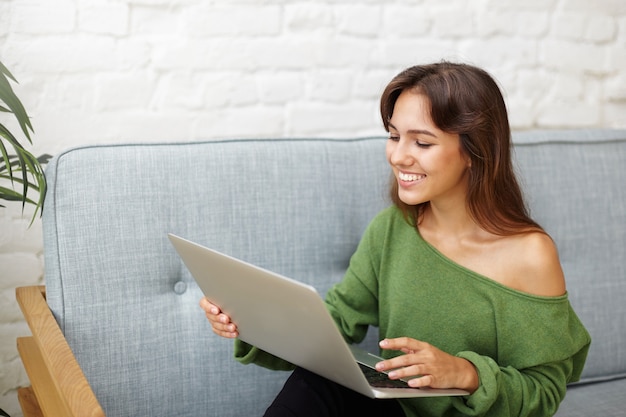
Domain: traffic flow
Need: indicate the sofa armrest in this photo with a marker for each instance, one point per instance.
(58, 383)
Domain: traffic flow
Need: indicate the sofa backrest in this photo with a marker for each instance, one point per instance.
(129, 308)
(574, 183)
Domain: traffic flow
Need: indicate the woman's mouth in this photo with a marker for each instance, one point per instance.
(406, 177)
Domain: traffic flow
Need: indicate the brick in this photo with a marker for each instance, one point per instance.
(621, 28)
(569, 25)
(108, 19)
(181, 90)
(11, 312)
(132, 54)
(358, 20)
(8, 350)
(568, 87)
(521, 113)
(581, 26)
(20, 268)
(616, 88)
(570, 113)
(614, 115)
(405, 21)
(308, 18)
(292, 54)
(609, 7)
(246, 122)
(43, 18)
(330, 85)
(326, 118)
(343, 52)
(493, 23)
(369, 85)
(532, 24)
(516, 5)
(282, 87)
(229, 89)
(617, 55)
(154, 21)
(500, 52)
(207, 21)
(223, 54)
(574, 56)
(5, 20)
(601, 28)
(455, 23)
(54, 54)
(70, 91)
(533, 85)
(398, 54)
(124, 91)
(141, 125)
(16, 234)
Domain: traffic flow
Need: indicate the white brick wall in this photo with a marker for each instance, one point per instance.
(146, 70)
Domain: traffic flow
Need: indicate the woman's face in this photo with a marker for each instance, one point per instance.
(428, 163)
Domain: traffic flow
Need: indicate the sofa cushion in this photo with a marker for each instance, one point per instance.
(575, 186)
(599, 399)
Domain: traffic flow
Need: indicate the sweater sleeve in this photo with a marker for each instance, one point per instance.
(529, 378)
(246, 354)
(354, 302)
(506, 391)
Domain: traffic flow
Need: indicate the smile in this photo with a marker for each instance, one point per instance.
(410, 177)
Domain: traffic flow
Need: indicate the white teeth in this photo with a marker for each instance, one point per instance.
(410, 177)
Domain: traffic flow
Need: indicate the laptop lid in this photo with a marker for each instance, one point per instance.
(284, 317)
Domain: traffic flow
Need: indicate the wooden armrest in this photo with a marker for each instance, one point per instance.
(58, 383)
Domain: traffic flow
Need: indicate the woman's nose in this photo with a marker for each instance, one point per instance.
(400, 153)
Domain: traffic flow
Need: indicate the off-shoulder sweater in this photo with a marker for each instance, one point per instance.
(526, 348)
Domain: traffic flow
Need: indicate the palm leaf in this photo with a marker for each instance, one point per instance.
(20, 167)
(13, 103)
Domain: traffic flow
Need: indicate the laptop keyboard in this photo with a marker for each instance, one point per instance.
(381, 380)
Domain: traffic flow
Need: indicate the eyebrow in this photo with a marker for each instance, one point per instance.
(414, 131)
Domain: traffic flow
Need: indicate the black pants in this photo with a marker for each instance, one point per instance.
(306, 394)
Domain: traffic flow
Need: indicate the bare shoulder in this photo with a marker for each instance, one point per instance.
(538, 268)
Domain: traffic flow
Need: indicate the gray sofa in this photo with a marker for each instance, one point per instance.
(128, 308)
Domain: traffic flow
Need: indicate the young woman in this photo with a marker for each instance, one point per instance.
(466, 289)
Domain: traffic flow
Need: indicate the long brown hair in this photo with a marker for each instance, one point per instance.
(466, 100)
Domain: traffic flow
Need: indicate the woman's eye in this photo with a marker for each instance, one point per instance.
(424, 145)
(394, 138)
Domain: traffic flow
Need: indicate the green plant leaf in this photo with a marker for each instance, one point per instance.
(4, 70)
(19, 168)
(13, 103)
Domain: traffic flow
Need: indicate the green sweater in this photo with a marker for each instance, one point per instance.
(526, 348)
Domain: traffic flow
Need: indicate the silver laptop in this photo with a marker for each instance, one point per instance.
(289, 319)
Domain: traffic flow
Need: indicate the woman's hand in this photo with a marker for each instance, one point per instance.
(433, 367)
(220, 322)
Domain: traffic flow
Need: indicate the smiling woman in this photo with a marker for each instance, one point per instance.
(458, 247)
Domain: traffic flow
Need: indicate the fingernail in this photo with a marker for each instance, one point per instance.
(392, 374)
